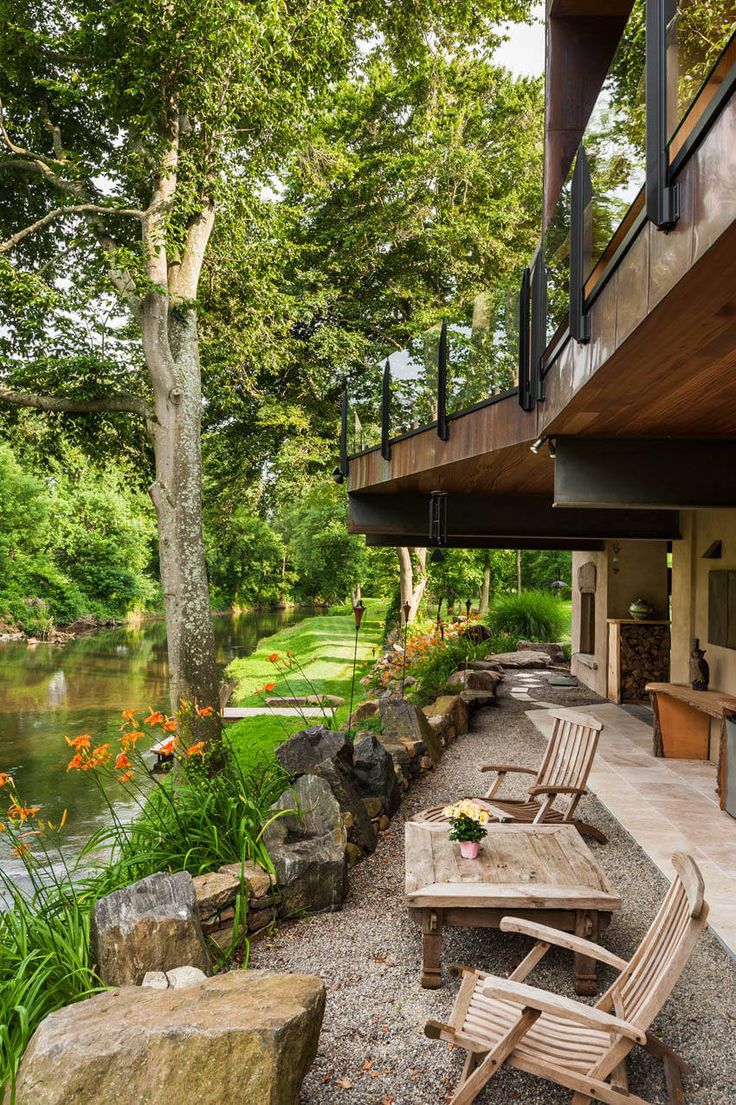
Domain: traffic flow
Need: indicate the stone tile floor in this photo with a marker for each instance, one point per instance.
(667, 805)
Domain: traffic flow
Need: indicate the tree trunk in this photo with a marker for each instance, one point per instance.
(409, 592)
(356, 594)
(177, 496)
(485, 591)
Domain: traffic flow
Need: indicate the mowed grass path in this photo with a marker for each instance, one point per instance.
(322, 647)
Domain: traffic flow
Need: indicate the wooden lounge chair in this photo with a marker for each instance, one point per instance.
(579, 1046)
(563, 774)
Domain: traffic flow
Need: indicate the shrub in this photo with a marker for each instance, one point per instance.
(529, 616)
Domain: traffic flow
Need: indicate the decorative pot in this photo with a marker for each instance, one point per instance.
(469, 849)
(641, 610)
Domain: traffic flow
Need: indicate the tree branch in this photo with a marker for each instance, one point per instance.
(130, 404)
(74, 209)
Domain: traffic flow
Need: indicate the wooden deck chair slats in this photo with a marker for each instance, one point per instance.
(559, 783)
(583, 1048)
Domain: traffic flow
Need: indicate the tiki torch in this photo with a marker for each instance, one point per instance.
(358, 612)
(407, 611)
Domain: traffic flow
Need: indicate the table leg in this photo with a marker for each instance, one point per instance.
(586, 977)
(431, 949)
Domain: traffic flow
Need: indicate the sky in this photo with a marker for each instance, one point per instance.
(523, 54)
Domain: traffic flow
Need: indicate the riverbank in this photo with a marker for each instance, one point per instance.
(322, 648)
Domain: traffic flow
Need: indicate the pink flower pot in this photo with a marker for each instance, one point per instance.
(469, 849)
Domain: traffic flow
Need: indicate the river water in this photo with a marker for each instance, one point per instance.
(48, 692)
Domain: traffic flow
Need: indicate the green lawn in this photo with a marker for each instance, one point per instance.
(323, 650)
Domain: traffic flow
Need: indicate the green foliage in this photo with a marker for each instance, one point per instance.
(539, 570)
(329, 561)
(393, 614)
(246, 561)
(78, 541)
(529, 616)
(433, 670)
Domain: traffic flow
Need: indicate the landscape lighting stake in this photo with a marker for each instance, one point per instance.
(407, 611)
(358, 612)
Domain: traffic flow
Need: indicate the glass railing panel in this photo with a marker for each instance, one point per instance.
(556, 252)
(364, 411)
(414, 384)
(615, 138)
(483, 353)
(699, 54)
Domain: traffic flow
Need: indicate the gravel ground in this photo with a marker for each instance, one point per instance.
(373, 1050)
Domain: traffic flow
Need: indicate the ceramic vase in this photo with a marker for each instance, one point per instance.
(469, 849)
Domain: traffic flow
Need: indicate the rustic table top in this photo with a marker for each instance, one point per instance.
(518, 866)
(709, 702)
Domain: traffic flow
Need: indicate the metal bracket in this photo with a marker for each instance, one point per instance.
(443, 428)
(438, 518)
(663, 198)
(386, 411)
(580, 247)
(525, 399)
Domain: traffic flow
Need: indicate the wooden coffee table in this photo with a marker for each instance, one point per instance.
(542, 872)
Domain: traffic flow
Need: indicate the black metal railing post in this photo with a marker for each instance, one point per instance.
(580, 246)
(344, 463)
(438, 519)
(443, 429)
(662, 196)
(525, 399)
(539, 325)
(386, 411)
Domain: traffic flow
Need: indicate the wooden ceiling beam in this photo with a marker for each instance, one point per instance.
(546, 544)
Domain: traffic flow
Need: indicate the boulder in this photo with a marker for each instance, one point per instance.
(242, 1036)
(553, 649)
(215, 891)
(183, 978)
(151, 925)
(401, 719)
(453, 710)
(157, 980)
(304, 750)
(374, 771)
(373, 806)
(471, 680)
(333, 700)
(308, 851)
(344, 786)
(362, 711)
(484, 665)
(477, 700)
(258, 882)
(524, 659)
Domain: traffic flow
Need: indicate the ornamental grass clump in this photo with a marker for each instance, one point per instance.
(529, 616)
(192, 819)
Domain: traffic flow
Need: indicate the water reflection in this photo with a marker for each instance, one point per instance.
(47, 692)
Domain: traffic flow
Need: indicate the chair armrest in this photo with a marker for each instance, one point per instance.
(562, 940)
(558, 790)
(589, 1015)
(505, 769)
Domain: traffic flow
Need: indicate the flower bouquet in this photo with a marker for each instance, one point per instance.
(468, 823)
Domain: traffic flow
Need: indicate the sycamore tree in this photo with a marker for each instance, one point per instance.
(128, 128)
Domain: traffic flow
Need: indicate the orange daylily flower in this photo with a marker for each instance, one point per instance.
(168, 746)
(76, 763)
(121, 762)
(268, 687)
(126, 777)
(84, 741)
(196, 749)
(22, 812)
(170, 725)
(204, 711)
(6, 780)
(274, 657)
(129, 716)
(131, 737)
(155, 718)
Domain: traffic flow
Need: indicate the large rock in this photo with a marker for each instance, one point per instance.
(215, 891)
(308, 851)
(151, 925)
(304, 750)
(524, 659)
(403, 721)
(553, 649)
(363, 710)
(374, 772)
(344, 786)
(454, 713)
(471, 680)
(240, 1038)
(484, 665)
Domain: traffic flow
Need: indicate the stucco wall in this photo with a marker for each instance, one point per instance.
(626, 570)
(690, 593)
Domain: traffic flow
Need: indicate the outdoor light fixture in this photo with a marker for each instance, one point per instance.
(437, 557)
(551, 444)
(338, 475)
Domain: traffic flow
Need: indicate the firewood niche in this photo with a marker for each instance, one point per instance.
(638, 653)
